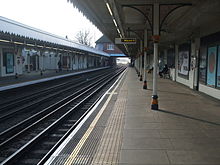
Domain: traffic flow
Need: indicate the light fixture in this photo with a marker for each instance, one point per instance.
(30, 45)
(118, 30)
(109, 9)
(115, 22)
(4, 40)
(18, 43)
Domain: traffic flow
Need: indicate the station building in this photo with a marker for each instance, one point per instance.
(106, 45)
(24, 49)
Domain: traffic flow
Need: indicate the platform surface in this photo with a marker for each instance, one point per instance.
(184, 131)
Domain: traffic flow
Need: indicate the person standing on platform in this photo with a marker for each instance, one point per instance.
(59, 65)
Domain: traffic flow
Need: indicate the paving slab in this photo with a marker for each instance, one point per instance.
(186, 125)
(184, 131)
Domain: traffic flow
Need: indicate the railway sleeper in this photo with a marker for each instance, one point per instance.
(34, 134)
(10, 150)
(86, 106)
(2, 159)
(40, 129)
(40, 151)
(69, 107)
(84, 109)
(63, 130)
(71, 121)
(48, 143)
(56, 135)
(67, 125)
(30, 161)
(73, 104)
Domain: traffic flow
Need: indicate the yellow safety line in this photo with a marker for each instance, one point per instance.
(74, 153)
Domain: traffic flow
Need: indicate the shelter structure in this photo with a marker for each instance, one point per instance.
(25, 49)
(185, 34)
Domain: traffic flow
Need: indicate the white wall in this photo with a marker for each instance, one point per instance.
(18, 62)
(210, 91)
(190, 81)
(74, 62)
(85, 61)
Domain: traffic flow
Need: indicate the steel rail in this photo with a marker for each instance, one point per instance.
(40, 135)
(14, 102)
(14, 129)
(52, 150)
(20, 109)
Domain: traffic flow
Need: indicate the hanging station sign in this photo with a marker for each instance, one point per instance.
(125, 40)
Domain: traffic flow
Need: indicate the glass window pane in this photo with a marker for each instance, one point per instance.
(218, 70)
(211, 66)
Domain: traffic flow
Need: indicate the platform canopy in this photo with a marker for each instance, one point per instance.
(13, 31)
(180, 20)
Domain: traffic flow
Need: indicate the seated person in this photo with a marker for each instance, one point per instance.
(150, 70)
(164, 71)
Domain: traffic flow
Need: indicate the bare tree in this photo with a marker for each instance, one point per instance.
(83, 37)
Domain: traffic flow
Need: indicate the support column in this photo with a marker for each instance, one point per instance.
(135, 65)
(138, 65)
(154, 103)
(42, 62)
(165, 56)
(176, 61)
(28, 62)
(145, 59)
(17, 61)
(196, 81)
(36, 62)
(141, 68)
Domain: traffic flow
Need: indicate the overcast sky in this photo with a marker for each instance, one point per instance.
(55, 16)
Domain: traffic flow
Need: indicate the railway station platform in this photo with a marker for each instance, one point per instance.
(123, 130)
(36, 77)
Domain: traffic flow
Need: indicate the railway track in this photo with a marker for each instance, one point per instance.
(12, 103)
(34, 139)
(30, 104)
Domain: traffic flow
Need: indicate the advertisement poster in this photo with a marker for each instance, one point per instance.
(211, 66)
(183, 63)
(9, 63)
(218, 70)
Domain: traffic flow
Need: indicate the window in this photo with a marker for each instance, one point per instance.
(110, 47)
(209, 62)
(211, 66)
(218, 70)
(8, 61)
(99, 46)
